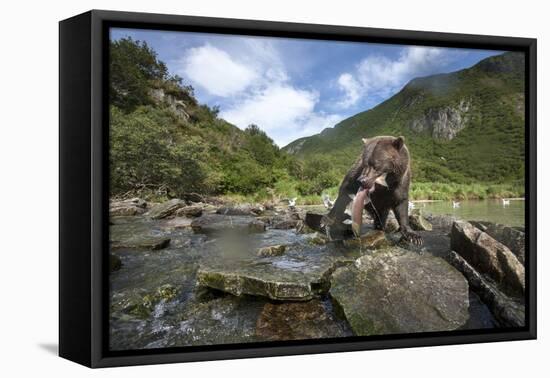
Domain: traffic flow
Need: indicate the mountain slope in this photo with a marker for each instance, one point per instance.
(463, 127)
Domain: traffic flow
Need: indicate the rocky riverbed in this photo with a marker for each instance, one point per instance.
(194, 273)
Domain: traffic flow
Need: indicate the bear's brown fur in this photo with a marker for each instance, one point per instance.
(382, 157)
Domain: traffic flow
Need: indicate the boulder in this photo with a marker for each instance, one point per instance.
(192, 211)
(509, 312)
(489, 257)
(511, 237)
(297, 321)
(166, 209)
(274, 250)
(397, 291)
(216, 223)
(141, 243)
(129, 207)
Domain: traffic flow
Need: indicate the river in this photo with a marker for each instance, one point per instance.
(491, 210)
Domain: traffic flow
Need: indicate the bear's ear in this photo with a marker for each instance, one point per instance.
(398, 143)
(365, 140)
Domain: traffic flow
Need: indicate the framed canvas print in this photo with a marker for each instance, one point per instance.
(233, 188)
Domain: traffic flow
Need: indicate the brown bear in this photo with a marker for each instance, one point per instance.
(381, 175)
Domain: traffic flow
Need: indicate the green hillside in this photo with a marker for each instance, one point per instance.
(465, 127)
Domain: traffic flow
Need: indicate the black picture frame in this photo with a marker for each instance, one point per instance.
(83, 181)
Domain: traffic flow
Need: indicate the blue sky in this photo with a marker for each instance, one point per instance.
(293, 88)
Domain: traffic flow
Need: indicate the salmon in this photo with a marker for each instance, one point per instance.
(357, 210)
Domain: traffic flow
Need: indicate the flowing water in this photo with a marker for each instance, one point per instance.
(491, 210)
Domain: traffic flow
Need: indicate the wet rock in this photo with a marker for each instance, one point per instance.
(287, 224)
(418, 222)
(241, 209)
(140, 303)
(397, 291)
(166, 209)
(297, 321)
(177, 223)
(129, 207)
(371, 240)
(318, 239)
(274, 250)
(301, 274)
(508, 311)
(511, 237)
(192, 211)
(216, 223)
(489, 257)
(442, 222)
(141, 243)
(224, 320)
(392, 225)
(114, 263)
(167, 292)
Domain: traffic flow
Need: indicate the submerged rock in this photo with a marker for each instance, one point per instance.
(397, 291)
(129, 207)
(177, 223)
(509, 312)
(298, 321)
(274, 250)
(511, 237)
(488, 256)
(216, 223)
(140, 303)
(141, 243)
(114, 263)
(166, 209)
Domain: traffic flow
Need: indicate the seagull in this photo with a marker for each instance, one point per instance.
(327, 201)
(456, 205)
(411, 205)
(505, 202)
(292, 202)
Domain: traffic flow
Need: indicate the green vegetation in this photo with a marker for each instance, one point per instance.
(165, 144)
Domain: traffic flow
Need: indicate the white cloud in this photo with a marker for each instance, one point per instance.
(352, 90)
(254, 87)
(380, 76)
(284, 112)
(216, 71)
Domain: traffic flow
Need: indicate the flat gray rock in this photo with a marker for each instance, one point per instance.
(301, 274)
(398, 291)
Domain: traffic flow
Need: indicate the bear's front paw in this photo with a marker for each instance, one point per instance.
(412, 237)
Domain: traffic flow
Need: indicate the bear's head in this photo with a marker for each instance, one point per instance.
(384, 161)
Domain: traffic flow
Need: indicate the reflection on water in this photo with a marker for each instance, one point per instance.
(484, 210)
